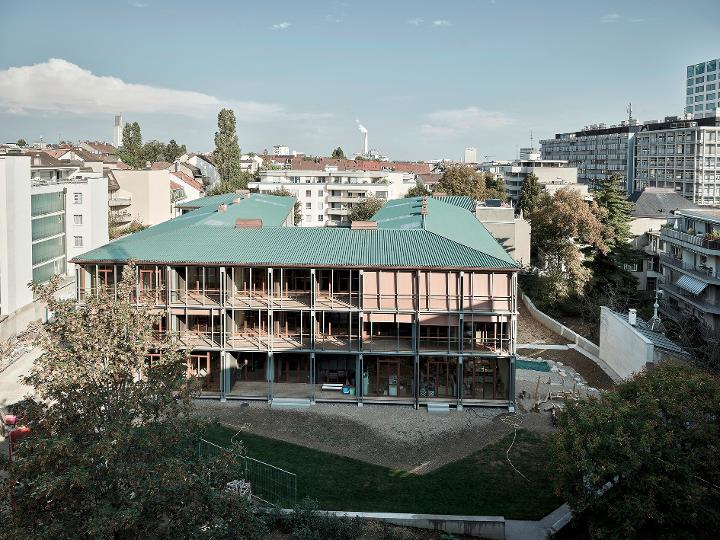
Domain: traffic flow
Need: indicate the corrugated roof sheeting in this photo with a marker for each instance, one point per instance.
(690, 284)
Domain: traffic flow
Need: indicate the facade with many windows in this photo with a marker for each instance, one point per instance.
(418, 306)
(682, 155)
(702, 95)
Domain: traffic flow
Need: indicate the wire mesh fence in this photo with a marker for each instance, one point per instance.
(269, 484)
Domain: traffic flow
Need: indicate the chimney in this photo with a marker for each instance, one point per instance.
(177, 166)
(222, 208)
(363, 225)
(248, 223)
(365, 145)
(236, 200)
(148, 164)
(632, 316)
(423, 208)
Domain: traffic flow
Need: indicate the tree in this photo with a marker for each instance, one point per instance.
(153, 151)
(113, 447)
(130, 152)
(232, 185)
(418, 191)
(297, 210)
(611, 196)
(365, 209)
(494, 187)
(462, 180)
(338, 153)
(227, 149)
(562, 225)
(21, 142)
(529, 196)
(642, 461)
(173, 151)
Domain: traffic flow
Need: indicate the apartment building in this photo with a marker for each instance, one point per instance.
(702, 96)
(417, 307)
(597, 151)
(680, 154)
(551, 174)
(147, 196)
(49, 213)
(327, 196)
(512, 232)
(689, 254)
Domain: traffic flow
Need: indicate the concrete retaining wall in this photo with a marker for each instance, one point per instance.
(551, 324)
(490, 527)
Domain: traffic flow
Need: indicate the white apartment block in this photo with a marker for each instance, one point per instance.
(551, 174)
(49, 213)
(681, 154)
(326, 197)
(470, 155)
(702, 97)
(598, 151)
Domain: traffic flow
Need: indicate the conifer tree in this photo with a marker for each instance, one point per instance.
(227, 149)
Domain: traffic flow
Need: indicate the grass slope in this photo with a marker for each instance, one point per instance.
(481, 484)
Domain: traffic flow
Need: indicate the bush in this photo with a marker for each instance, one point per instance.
(307, 523)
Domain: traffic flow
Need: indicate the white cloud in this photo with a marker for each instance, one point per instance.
(281, 26)
(453, 121)
(138, 4)
(59, 86)
(441, 22)
(416, 21)
(610, 18)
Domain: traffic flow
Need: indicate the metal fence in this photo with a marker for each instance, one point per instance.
(271, 485)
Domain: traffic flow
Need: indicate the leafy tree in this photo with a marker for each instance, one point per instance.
(227, 149)
(173, 151)
(418, 191)
(112, 452)
(153, 151)
(338, 153)
(529, 195)
(611, 196)
(494, 187)
(462, 180)
(297, 210)
(365, 209)
(233, 184)
(21, 142)
(642, 461)
(130, 151)
(562, 225)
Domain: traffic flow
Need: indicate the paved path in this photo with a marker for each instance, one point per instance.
(542, 346)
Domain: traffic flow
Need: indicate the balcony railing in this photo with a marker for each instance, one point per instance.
(704, 272)
(698, 302)
(690, 238)
(120, 201)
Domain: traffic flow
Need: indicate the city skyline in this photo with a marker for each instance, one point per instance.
(415, 74)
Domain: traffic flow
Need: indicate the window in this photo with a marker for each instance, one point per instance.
(321, 218)
(698, 98)
(77, 198)
(320, 205)
(699, 69)
(78, 241)
(77, 219)
(699, 89)
(710, 97)
(699, 80)
(690, 71)
(320, 192)
(699, 107)
(689, 100)
(712, 77)
(308, 217)
(690, 90)
(308, 193)
(709, 87)
(711, 65)
(308, 206)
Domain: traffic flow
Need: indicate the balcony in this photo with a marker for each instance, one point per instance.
(690, 239)
(705, 273)
(120, 201)
(343, 200)
(696, 301)
(120, 217)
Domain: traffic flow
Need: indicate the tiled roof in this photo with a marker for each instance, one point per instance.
(208, 236)
(102, 147)
(658, 202)
(658, 339)
(44, 160)
(160, 165)
(189, 180)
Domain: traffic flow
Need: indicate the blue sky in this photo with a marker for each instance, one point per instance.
(425, 78)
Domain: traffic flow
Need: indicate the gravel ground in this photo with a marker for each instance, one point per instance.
(393, 436)
(531, 331)
(588, 370)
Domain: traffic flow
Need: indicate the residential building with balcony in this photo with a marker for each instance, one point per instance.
(680, 154)
(552, 175)
(327, 196)
(690, 266)
(418, 306)
(597, 151)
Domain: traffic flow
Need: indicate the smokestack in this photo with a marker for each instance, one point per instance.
(632, 316)
(364, 131)
(117, 131)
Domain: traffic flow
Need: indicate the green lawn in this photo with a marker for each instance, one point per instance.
(481, 484)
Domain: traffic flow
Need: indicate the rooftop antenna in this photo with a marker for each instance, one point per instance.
(656, 324)
(531, 139)
(629, 111)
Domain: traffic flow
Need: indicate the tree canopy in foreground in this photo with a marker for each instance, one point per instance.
(113, 447)
(642, 461)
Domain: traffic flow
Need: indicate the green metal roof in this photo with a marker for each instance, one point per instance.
(211, 201)
(444, 219)
(463, 201)
(206, 236)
